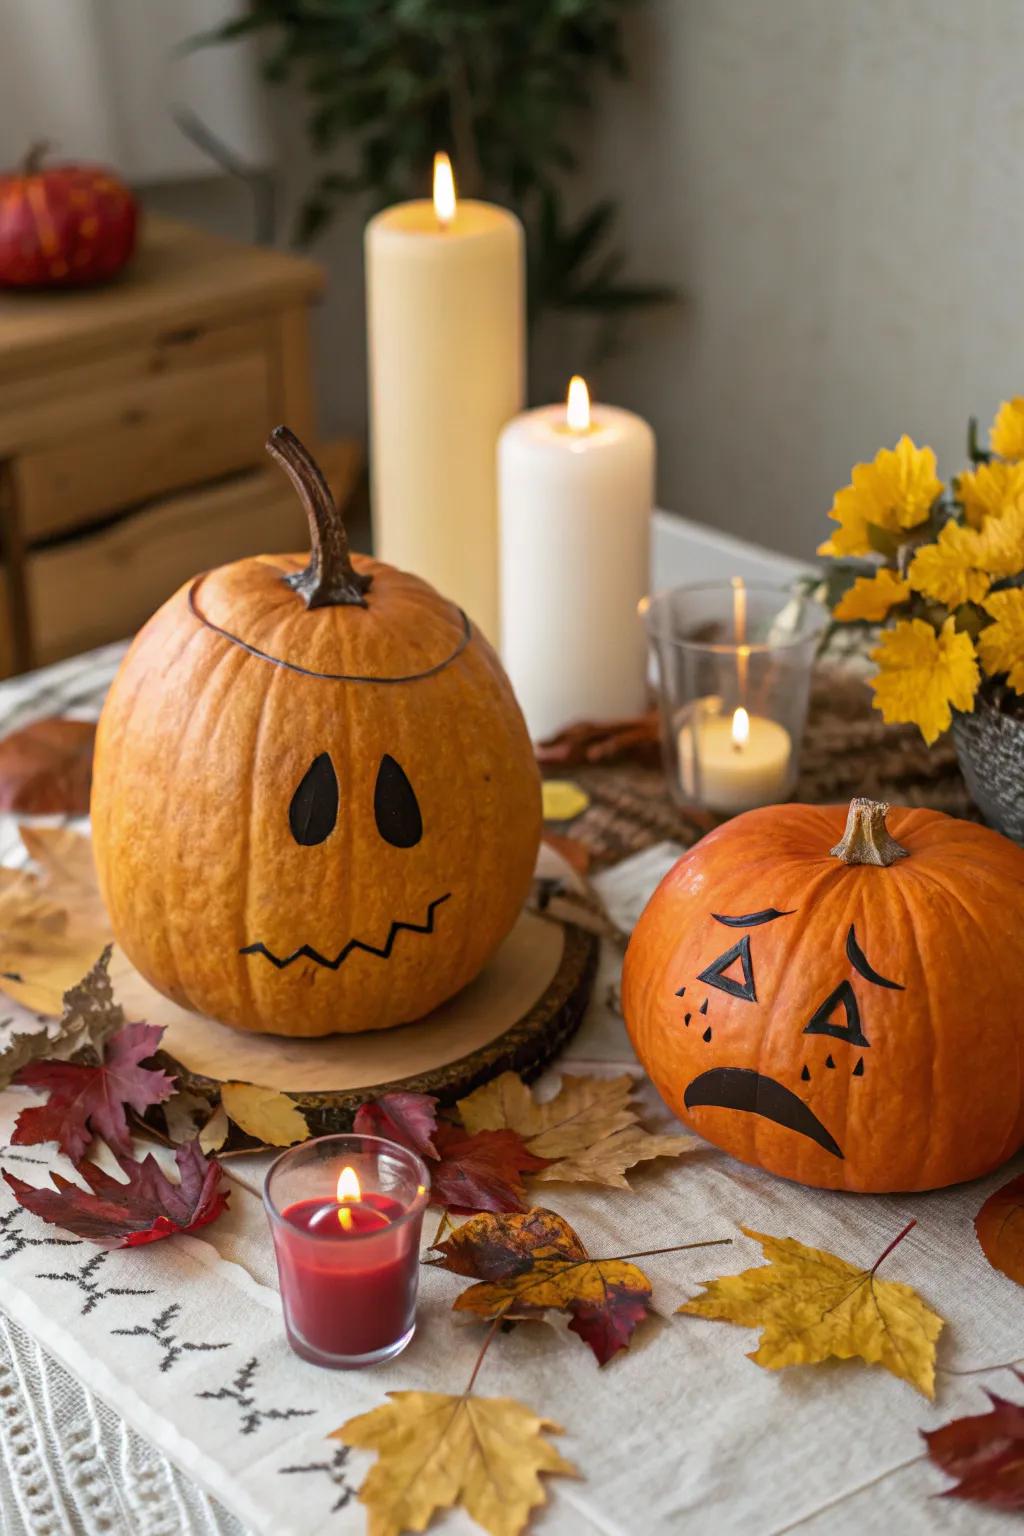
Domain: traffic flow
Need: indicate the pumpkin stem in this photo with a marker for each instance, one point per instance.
(37, 153)
(867, 839)
(330, 579)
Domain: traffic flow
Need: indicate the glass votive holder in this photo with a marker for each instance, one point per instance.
(733, 662)
(346, 1213)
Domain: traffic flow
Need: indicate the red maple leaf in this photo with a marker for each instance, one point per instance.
(478, 1172)
(408, 1118)
(145, 1208)
(87, 1101)
(985, 1452)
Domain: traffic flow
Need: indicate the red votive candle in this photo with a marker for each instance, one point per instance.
(346, 1212)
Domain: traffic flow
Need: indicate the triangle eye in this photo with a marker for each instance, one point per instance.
(741, 986)
(823, 1022)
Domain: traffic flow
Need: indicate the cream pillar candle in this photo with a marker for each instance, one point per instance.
(445, 307)
(576, 486)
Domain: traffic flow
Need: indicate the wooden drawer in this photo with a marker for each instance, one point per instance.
(102, 586)
(182, 415)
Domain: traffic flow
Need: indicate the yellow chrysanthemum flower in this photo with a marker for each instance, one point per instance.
(1006, 434)
(924, 676)
(1001, 645)
(989, 489)
(1001, 544)
(895, 491)
(871, 597)
(950, 571)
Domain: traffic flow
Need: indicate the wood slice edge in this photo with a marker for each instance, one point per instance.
(526, 1048)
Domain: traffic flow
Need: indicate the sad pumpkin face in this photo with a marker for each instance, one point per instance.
(848, 1024)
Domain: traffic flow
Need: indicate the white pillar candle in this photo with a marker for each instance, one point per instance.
(576, 487)
(445, 308)
(734, 764)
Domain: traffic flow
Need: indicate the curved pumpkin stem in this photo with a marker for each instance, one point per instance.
(330, 579)
(867, 839)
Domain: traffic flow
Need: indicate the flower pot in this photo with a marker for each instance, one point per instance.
(990, 750)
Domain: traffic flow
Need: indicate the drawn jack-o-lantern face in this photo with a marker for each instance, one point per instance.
(315, 804)
(852, 1028)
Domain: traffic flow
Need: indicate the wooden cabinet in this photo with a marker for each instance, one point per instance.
(132, 425)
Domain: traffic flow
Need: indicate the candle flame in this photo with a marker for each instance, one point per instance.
(577, 405)
(444, 189)
(348, 1185)
(740, 728)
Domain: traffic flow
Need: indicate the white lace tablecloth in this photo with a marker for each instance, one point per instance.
(151, 1390)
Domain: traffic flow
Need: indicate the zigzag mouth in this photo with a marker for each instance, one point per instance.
(383, 953)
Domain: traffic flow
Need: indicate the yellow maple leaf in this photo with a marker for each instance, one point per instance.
(1001, 645)
(266, 1114)
(871, 597)
(811, 1305)
(950, 570)
(1006, 434)
(895, 491)
(1001, 543)
(589, 1130)
(924, 676)
(435, 1451)
(988, 489)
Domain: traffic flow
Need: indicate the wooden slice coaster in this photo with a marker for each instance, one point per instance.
(518, 1013)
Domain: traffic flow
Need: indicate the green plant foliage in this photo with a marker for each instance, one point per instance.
(500, 84)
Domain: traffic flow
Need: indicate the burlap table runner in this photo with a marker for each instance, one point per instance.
(847, 751)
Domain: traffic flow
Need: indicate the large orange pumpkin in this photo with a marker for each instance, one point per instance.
(315, 804)
(845, 1011)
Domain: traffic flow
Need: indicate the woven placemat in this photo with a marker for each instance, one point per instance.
(847, 751)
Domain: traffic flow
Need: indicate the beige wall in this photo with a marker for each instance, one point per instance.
(837, 189)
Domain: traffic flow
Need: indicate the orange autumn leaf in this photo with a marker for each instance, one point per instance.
(1000, 1228)
(812, 1306)
(534, 1263)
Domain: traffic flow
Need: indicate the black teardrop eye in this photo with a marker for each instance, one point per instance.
(314, 808)
(395, 806)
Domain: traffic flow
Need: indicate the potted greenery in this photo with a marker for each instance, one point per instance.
(939, 571)
(500, 84)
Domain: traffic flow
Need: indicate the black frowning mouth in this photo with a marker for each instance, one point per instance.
(383, 952)
(743, 1089)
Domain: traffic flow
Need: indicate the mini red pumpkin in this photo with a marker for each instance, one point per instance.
(63, 226)
(315, 804)
(843, 1011)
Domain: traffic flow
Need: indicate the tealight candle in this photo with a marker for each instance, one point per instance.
(734, 764)
(734, 664)
(346, 1212)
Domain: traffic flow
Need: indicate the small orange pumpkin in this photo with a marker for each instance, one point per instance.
(844, 1011)
(315, 804)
